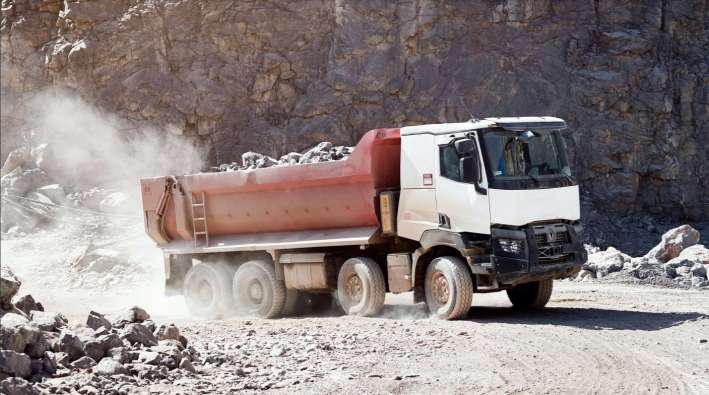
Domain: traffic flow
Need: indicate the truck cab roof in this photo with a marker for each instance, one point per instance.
(509, 123)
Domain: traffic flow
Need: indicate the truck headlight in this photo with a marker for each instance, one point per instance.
(511, 246)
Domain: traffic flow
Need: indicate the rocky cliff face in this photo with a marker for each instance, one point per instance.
(274, 76)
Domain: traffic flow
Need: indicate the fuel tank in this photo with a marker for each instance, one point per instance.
(325, 195)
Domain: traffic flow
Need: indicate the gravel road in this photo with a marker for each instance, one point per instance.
(593, 338)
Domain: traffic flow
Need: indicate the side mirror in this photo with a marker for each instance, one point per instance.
(470, 169)
(464, 146)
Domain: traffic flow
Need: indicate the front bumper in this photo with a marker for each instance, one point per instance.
(546, 251)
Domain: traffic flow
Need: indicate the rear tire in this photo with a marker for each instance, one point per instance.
(449, 288)
(256, 290)
(207, 290)
(534, 295)
(361, 287)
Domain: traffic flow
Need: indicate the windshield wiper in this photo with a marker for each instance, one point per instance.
(535, 179)
(569, 179)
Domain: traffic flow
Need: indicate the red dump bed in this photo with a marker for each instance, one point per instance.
(326, 195)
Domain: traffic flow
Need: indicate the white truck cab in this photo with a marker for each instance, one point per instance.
(500, 191)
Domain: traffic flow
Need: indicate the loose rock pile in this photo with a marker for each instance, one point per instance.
(32, 196)
(323, 152)
(41, 353)
(676, 261)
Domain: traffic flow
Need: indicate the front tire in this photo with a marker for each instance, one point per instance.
(361, 287)
(534, 295)
(256, 290)
(449, 288)
(207, 290)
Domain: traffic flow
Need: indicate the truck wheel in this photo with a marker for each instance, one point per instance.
(207, 290)
(449, 288)
(360, 287)
(256, 290)
(534, 295)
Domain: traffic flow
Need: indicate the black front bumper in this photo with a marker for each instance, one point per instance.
(549, 251)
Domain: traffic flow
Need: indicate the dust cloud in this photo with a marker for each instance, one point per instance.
(92, 253)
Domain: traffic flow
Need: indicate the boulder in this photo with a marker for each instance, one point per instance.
(20, 183)
(12, 320)
(17, 386)
(131, 315)
(149, 357)
(9, 284)
(167, 332)
(48, 321)
(121, 354)
(26, 303)
(292, 158)
(150, 324)
(62, 359)
(137, 333)
(54, 192)
(94, 349)
(254, 160)
(109, 341)
(604, 262)
(36, 367)
(71, 344)
(185, 364)
(585, 274)
(170, 354)
(697, 253)
(116, 202)
(83, 363)
(110, 367)
(20, 218)
(40, 156)
(15, 159)
(673, 242)
(16, 338)
(14, 364)
(96, 320)
(698, 270)
(319, 153)
(84, 333)
(38, 345)
(40, 198)
(49, 359)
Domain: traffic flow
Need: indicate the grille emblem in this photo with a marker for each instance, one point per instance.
(551, 235)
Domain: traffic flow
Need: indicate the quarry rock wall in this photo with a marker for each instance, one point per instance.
(276, 76)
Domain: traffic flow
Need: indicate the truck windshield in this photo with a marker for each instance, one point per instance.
(534, 155)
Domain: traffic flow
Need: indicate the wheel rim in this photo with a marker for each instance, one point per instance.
(204, 293)
(354, 288)
(439, 287)
(255, 293)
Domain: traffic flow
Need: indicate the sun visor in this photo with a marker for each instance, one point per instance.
(529, 123)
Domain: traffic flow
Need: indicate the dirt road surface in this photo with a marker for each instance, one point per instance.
(592, 338)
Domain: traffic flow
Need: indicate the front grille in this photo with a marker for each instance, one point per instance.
(550, 240)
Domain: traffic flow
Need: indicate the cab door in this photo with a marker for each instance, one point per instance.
(461, 207)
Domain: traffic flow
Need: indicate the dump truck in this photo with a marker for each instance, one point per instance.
(443, 210)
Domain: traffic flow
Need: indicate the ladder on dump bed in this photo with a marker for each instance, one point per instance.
(199, 220)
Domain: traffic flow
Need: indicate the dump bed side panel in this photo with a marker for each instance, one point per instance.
(328, 195)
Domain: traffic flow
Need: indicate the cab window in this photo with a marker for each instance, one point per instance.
(450, 163)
